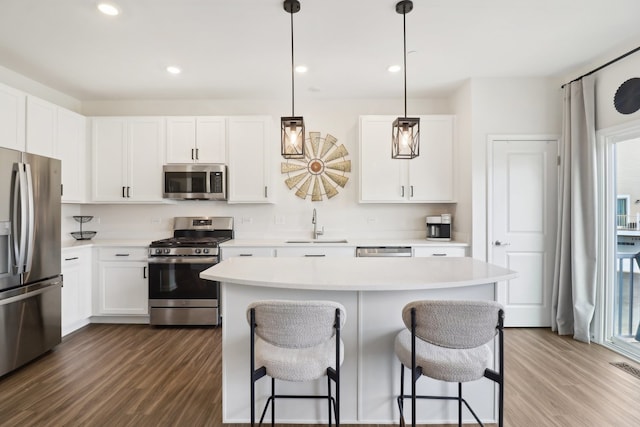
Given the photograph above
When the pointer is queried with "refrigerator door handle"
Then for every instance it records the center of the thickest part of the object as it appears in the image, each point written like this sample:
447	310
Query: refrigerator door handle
31	220
19	217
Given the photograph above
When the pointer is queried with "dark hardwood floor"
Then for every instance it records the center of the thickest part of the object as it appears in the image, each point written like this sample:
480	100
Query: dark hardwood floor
136	375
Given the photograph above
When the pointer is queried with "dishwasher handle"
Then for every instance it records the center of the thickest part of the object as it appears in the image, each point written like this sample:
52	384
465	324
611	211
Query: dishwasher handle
384	251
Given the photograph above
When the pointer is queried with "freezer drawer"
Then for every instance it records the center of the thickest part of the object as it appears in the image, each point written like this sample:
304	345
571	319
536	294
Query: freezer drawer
30	323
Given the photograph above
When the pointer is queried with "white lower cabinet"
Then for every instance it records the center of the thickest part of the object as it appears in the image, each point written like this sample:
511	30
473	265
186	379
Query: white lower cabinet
122	287
427	251
76	290
317	251
247	252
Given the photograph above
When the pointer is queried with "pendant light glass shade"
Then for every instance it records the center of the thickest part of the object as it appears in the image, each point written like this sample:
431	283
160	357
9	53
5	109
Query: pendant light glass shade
292	134
406	138
292	128
405	134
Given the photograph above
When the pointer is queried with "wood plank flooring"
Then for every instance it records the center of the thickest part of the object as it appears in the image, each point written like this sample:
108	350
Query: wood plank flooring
136	375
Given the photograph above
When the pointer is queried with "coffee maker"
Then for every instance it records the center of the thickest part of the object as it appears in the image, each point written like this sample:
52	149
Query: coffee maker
439	227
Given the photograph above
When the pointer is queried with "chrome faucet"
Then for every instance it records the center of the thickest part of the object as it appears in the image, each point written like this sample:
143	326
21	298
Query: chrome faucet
314	221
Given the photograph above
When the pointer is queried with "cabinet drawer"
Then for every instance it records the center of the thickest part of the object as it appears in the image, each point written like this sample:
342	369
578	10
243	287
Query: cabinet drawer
317	252
426	251
244	252
124	254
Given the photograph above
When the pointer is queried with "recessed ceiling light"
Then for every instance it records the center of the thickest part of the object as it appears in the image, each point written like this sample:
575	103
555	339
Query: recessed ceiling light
108	9
394	68
301	69
172	69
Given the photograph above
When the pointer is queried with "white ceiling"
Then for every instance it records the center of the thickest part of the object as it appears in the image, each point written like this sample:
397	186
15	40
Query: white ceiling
241	48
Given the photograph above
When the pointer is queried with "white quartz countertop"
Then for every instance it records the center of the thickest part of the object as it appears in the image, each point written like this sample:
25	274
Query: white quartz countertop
252	243
66	244
357	274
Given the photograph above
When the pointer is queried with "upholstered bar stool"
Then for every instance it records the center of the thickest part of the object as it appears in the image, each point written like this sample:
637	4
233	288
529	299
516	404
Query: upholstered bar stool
450	341
296	341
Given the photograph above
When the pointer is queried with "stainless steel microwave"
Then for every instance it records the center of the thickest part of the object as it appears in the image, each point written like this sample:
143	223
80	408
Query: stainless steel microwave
198	181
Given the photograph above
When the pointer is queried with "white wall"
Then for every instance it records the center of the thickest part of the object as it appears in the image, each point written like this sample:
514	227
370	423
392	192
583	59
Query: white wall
512	106
341	216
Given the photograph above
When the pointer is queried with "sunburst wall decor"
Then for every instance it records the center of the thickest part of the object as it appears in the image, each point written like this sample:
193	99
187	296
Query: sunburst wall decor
324	168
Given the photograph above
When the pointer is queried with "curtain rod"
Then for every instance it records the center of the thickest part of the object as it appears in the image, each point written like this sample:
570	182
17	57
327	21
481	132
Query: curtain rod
603	66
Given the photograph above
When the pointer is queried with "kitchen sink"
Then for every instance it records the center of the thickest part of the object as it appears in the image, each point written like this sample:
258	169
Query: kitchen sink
318	241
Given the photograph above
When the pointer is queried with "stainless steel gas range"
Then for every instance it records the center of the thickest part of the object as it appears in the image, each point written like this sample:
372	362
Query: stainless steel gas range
177	294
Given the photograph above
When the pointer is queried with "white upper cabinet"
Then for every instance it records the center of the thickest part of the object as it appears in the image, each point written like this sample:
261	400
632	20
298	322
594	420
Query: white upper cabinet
127	159
250	146
42	120
72	150
428	178
196	140
12	118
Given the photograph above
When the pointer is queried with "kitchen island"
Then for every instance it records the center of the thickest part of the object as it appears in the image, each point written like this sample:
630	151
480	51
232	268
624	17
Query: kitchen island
373	291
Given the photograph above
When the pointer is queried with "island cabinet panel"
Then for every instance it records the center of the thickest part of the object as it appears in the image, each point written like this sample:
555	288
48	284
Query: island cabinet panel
12	118
196	139
251	144
428	178
122	287
127	159
76	290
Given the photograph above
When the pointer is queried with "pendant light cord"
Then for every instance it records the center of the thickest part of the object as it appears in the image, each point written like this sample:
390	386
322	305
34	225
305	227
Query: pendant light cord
292	71
404	36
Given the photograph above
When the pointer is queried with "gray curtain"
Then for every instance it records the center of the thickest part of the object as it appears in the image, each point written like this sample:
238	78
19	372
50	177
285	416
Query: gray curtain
574	286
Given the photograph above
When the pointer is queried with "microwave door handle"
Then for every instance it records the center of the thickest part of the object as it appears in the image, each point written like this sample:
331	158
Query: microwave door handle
31	219
19	223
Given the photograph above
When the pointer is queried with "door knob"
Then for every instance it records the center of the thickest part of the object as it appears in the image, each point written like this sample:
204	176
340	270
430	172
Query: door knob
499	243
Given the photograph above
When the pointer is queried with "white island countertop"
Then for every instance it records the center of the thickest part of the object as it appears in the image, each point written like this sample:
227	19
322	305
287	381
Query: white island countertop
357	274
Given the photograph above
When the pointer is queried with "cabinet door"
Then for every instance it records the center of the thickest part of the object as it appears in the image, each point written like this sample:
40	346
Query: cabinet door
12	118
431	174
122	288
210	140
146	154
109	159
71	148
181	139
250	147
76	291
382	179
41	127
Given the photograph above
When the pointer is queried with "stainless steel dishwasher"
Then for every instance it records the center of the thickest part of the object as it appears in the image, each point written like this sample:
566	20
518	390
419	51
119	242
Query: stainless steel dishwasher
383	251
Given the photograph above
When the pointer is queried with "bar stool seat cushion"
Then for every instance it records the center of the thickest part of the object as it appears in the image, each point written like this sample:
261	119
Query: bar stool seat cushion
297	364
442	363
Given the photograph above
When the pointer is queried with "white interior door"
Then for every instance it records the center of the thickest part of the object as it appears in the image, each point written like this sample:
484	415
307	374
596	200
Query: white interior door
522	219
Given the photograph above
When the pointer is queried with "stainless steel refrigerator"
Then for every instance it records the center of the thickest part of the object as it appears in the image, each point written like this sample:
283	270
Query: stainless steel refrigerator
30	279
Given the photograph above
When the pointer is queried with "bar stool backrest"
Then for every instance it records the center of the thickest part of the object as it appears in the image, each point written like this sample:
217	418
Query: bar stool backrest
296	324
454	324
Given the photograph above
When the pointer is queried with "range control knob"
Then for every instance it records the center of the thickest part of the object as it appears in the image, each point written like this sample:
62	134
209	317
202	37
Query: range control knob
158	251
205	250
198	251
166	251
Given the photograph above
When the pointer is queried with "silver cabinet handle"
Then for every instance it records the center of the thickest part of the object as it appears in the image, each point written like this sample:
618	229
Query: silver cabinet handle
197	154
122	254
411	194
192	156
246	255
71	259
499	243
315	255
402	191
265	192
438	254
144	272
128	192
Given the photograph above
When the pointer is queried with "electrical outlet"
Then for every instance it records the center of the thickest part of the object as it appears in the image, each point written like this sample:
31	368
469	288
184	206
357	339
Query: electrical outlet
279	220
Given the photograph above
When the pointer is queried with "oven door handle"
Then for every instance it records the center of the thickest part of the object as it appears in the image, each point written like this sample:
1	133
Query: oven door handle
183	260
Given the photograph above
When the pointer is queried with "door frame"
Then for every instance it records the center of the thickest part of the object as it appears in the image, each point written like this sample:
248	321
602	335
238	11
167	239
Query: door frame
491	140
606	185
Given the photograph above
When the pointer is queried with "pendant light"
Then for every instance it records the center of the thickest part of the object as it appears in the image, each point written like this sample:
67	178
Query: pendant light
292	128
405	143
